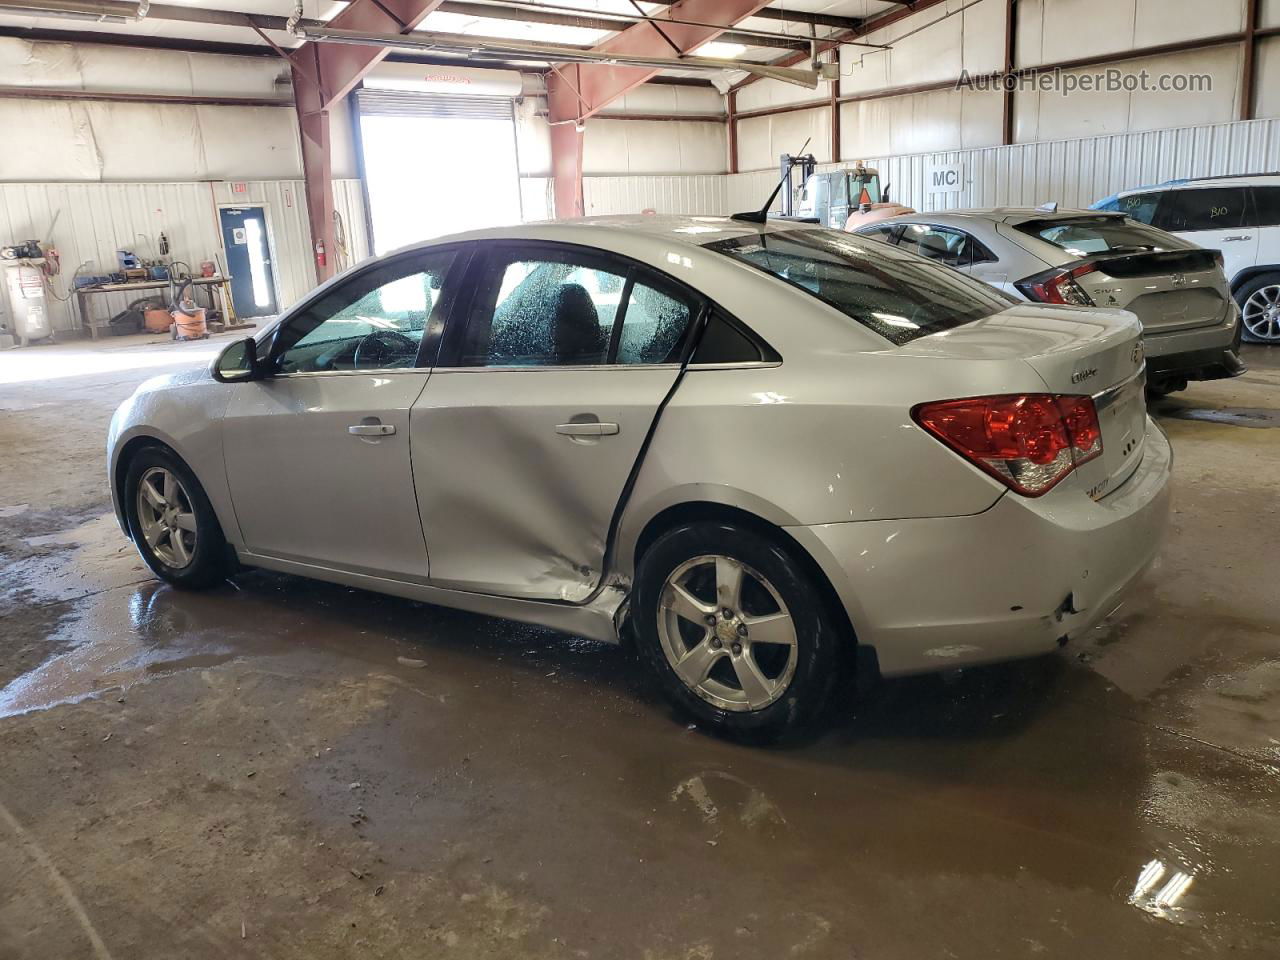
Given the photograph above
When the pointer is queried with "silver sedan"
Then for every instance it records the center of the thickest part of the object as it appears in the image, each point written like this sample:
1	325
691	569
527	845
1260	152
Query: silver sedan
759	448
1084	258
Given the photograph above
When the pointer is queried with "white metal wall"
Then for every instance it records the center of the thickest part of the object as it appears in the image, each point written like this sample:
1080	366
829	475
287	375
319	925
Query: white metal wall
96	219
673	194
1071	172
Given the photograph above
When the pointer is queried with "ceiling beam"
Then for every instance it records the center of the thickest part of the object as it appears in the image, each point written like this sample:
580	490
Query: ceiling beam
813	19
865	27
593	21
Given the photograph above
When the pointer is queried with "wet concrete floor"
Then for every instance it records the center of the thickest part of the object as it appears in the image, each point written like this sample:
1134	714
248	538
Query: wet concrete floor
281	768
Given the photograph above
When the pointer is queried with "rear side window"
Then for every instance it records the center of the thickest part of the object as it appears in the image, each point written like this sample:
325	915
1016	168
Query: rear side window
653	326
544	312
955	248
1213	208
899	296
1085	236
1266	205
885	234
724	342
1137	206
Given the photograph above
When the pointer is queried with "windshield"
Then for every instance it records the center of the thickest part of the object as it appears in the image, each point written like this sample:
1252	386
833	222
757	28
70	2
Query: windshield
898	295
1085	236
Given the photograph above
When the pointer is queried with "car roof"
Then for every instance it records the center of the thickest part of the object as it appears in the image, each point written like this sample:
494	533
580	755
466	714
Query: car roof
606	231
1226	180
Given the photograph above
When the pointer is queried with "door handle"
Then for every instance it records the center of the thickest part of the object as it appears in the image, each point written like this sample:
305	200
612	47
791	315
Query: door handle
371	429
593	428
1248	236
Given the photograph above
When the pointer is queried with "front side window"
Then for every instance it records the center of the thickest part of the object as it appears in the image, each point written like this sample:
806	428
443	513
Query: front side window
955	248
1211	208
1084	236
374	321
899	296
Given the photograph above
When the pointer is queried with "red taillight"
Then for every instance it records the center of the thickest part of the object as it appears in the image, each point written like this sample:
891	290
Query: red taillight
1029	441
1058	286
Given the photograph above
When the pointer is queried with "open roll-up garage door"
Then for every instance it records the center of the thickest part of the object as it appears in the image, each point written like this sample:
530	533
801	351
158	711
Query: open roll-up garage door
437	163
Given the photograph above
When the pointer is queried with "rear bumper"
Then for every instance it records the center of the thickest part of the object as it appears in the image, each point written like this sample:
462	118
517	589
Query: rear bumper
1014	581
1205	353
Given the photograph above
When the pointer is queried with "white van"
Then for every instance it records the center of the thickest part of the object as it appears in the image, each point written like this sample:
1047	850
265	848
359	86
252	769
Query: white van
1239	215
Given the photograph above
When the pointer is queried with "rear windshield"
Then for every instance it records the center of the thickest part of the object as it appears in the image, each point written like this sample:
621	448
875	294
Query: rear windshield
898	295
1085	236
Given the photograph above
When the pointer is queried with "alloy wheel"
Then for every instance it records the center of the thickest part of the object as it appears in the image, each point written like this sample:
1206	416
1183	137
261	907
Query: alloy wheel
166	517
727	633
1261	313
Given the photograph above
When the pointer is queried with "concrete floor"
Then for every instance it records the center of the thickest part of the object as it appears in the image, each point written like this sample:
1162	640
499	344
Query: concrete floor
281	768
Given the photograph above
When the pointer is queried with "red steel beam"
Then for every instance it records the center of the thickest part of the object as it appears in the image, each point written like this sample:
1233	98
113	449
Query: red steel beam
323	74
1249	70
578	91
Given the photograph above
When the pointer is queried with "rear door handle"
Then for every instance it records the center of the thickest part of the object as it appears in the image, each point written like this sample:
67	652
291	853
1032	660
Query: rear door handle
1247	236
371	429
591	429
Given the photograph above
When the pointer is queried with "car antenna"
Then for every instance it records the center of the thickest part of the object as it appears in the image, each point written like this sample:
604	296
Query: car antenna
762	215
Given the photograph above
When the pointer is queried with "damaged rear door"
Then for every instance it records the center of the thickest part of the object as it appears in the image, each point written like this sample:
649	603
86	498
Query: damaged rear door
527	433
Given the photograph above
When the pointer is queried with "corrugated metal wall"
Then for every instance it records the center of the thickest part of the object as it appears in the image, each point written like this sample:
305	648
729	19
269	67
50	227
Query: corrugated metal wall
673	194
96	219
1071	172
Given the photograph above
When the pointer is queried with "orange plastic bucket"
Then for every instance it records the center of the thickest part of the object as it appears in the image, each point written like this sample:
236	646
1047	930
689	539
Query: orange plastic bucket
189	327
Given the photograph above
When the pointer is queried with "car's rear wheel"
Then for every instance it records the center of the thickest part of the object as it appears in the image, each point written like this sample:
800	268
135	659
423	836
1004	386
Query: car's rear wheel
172	522
1259	301
735	630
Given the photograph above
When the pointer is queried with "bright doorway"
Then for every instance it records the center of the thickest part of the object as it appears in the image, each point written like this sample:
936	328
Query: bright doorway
429	174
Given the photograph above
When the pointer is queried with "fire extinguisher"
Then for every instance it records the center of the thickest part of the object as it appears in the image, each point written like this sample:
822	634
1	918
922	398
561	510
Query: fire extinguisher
321	259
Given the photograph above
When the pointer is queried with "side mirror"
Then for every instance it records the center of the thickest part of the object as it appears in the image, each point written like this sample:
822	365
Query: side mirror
238	362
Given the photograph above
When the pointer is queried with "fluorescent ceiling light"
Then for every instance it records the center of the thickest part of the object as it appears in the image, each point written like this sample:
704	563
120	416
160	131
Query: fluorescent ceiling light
721	49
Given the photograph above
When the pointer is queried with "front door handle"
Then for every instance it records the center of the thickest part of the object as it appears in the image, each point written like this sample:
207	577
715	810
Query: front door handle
371	429
593	428
1247	236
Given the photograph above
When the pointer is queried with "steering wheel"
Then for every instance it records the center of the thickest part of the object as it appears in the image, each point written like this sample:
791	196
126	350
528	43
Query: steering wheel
384	348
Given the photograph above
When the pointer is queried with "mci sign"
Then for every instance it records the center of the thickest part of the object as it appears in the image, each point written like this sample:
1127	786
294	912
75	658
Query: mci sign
944	178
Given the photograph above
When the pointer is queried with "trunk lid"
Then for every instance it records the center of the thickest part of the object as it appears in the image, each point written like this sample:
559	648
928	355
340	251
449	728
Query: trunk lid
1074	350
1168	290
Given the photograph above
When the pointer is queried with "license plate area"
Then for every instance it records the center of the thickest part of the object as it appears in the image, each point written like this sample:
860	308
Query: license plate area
1122	415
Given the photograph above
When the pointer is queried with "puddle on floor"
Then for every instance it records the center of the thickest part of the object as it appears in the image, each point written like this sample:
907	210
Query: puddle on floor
111	650
1259	417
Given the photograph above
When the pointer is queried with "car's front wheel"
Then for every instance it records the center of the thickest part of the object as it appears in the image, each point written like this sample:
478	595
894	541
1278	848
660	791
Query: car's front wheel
735	630
1259	301
172	522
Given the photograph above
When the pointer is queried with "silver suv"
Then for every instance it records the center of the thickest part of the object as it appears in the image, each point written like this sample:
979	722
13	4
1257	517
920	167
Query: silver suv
1239	215
1191	328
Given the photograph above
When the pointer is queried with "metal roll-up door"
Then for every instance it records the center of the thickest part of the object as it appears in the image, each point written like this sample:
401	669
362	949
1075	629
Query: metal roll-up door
398	103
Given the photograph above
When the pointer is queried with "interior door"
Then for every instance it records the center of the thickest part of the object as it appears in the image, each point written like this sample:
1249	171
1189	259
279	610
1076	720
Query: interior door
1216	218
318	452
527	433
253	279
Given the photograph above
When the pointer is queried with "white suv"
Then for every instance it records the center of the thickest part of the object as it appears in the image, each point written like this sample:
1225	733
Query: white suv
1239	215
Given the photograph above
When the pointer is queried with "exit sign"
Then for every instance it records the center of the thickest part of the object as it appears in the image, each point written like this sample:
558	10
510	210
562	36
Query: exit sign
239	188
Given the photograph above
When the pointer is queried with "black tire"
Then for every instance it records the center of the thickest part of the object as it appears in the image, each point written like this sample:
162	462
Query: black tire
210	561
817	635
1242	297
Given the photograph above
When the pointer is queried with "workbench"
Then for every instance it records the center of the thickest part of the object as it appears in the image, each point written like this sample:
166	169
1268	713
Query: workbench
83	294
